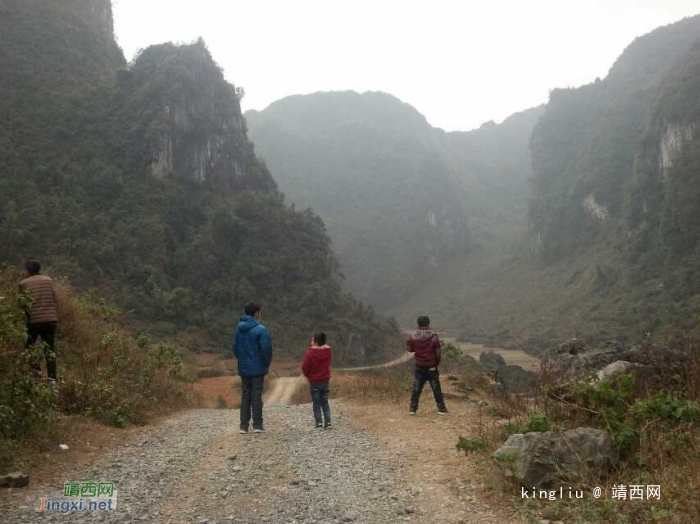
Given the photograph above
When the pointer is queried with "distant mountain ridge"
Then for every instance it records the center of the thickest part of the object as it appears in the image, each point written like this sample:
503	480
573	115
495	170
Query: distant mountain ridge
580	217
613	242
398	195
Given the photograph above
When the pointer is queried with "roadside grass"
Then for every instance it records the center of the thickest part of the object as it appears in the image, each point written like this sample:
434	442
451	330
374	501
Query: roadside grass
104	372
389	384
654	420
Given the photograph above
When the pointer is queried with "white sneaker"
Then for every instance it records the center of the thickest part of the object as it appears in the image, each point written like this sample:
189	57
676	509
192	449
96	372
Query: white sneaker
243	431
411	412
442	412
258	430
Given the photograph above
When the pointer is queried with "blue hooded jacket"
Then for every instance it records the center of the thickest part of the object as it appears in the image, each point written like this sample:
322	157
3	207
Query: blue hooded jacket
252	346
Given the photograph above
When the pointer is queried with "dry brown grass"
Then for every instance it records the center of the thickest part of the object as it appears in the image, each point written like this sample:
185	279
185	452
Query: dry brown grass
104	373
375	384
667	454
218	392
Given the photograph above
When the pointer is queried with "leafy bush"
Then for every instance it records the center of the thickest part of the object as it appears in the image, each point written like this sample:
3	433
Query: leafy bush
102	372
666	406
609	401
472	445
536	423
450	352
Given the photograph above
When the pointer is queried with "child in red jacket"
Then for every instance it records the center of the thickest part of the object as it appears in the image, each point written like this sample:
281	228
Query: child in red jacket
317	370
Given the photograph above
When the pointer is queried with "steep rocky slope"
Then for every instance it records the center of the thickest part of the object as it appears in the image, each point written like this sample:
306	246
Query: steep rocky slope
140	181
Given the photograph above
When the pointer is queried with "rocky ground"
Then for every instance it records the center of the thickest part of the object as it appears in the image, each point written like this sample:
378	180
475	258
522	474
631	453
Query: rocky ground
196	468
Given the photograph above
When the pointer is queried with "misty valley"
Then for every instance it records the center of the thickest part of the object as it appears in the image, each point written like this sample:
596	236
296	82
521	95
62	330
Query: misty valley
548	266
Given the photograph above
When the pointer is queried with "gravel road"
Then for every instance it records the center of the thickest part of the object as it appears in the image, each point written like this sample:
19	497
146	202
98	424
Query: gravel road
196	468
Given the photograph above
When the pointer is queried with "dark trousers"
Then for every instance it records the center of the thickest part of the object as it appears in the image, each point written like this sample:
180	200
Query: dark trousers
251	401
47	332
424	375
319	397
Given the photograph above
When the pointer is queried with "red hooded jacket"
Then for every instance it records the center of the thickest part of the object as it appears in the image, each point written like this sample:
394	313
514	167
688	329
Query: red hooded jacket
425	345
317	364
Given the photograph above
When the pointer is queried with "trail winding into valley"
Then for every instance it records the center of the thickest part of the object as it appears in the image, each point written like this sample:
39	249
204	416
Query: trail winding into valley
194	467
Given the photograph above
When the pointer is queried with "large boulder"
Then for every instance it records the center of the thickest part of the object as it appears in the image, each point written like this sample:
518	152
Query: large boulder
515	379
14	480
574	361
492	361
619	367
547	459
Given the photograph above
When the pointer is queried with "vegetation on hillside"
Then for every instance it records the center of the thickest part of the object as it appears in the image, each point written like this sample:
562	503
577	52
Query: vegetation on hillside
401	198
140	181
613	240
104	372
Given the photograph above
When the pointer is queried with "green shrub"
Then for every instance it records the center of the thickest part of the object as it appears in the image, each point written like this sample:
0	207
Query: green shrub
102	372
472	445
536	423
665	406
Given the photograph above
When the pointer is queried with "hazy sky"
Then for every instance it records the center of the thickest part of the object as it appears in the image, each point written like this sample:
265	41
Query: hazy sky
460	63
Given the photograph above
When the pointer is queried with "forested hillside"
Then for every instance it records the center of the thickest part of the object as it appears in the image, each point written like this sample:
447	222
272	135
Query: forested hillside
577	219
613	246
140	181
401	198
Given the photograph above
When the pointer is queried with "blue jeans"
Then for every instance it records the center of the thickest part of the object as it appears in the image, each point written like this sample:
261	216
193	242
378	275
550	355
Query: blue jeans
319	396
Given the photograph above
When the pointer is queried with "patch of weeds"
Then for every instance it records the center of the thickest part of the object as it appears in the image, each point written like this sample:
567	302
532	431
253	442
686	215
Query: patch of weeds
472	445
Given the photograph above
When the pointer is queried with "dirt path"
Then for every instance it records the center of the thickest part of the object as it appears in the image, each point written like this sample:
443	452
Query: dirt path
377	466
196	468
400	360
282	390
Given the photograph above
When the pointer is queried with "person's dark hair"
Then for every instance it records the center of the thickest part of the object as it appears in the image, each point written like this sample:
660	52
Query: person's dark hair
423	321
320	338
33	267
251	309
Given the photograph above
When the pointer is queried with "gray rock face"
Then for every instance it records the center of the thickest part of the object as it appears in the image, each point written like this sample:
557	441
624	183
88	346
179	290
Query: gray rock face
492	361
467	362
574	360
14	480
515	379
546	459
611	371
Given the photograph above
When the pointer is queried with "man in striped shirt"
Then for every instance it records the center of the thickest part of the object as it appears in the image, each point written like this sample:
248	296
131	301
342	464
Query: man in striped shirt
42	316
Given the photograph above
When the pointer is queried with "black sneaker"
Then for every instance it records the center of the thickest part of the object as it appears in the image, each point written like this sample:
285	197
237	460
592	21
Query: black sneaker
442	412
319	426
243	431
328	426
258	430
412	412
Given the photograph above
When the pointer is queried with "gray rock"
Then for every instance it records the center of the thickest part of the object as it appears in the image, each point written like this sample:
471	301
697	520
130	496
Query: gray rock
574	361
619	367
14	480
515	379
492	361
545	459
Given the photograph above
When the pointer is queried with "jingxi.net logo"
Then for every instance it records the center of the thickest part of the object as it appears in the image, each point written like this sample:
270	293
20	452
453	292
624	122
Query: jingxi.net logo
81	496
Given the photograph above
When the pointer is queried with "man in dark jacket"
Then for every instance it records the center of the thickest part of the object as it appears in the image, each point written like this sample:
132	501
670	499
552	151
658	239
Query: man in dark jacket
252	346
425	345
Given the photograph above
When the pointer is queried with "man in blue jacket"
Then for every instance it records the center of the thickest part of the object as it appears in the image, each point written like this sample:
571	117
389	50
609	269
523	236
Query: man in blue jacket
253	348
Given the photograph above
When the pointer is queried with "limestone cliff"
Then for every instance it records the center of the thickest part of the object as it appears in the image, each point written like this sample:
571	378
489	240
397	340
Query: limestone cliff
98	13
189	119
